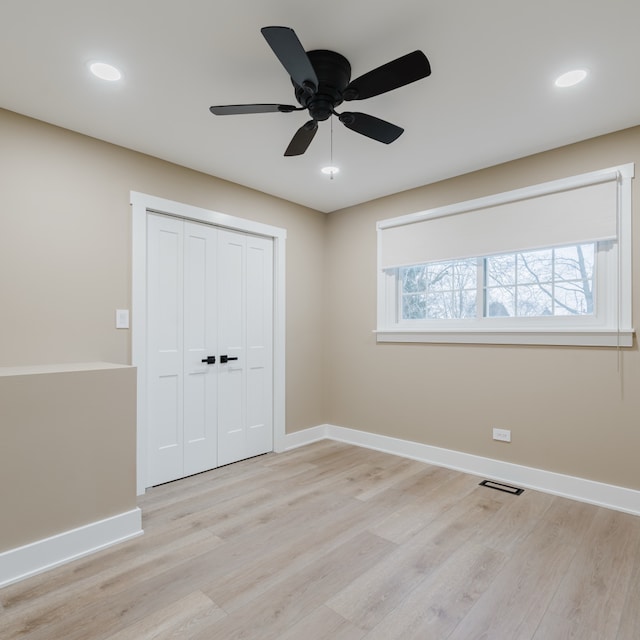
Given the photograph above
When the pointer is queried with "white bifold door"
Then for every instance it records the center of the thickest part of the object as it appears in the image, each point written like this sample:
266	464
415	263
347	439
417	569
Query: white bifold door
209	347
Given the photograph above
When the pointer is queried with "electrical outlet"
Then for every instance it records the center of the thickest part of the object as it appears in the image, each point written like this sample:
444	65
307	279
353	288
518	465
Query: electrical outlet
504	435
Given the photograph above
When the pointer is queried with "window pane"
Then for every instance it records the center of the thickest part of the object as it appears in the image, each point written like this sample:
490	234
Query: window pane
535	266
573	299
466	304
439	306
413	279
466	274
501	270
575	263
414	307
439	276
574	276
534	300
500	302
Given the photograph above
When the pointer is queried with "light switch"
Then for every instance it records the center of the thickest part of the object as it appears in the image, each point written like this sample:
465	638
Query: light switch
122	318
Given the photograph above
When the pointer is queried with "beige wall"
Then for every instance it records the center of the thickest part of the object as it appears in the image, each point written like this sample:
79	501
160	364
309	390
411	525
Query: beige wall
65	251
571	410
67	455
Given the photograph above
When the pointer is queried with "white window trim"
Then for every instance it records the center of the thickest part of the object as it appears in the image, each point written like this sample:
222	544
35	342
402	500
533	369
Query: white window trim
609	332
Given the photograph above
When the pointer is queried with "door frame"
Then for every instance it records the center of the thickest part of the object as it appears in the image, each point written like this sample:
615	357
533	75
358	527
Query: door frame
141	205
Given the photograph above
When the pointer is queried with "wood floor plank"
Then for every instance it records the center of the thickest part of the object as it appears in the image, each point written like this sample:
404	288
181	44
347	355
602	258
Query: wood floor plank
317	453
513	605
376	478
323	624
411	512
630	619
304	542
590	600
148	551
174	620
250	472
85	601
515	521
336	542
438	604
290	601
193	503
373	595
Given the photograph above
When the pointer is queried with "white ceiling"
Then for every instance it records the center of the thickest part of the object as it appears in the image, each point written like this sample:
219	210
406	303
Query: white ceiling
489	99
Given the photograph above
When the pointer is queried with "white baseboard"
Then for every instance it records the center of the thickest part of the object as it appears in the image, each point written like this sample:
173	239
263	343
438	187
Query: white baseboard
581	489
303	437
31	559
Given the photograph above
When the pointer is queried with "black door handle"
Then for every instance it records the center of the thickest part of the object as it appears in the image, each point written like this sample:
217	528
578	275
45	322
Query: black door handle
210	360
224	359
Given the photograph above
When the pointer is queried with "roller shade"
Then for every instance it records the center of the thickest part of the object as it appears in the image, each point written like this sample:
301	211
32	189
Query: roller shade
582	214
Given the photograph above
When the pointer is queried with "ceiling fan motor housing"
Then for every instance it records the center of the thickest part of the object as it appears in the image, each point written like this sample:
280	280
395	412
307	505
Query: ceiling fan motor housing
334	73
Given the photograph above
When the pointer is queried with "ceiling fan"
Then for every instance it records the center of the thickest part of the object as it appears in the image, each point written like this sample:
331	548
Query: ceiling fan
322	81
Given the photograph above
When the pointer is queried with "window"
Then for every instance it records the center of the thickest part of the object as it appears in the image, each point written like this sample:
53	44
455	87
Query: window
549	264
527	284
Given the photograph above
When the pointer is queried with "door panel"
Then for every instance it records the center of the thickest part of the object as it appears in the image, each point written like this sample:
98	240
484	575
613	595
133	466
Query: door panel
231	322
165	346
259	316
200	331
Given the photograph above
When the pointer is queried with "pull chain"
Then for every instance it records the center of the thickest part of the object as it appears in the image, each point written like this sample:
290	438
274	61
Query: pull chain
331	151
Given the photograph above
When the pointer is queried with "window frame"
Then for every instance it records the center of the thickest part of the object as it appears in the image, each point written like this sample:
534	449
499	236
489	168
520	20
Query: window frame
609	326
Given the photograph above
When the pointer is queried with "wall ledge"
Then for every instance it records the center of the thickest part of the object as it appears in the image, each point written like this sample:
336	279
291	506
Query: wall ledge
574	488
42	555
68	367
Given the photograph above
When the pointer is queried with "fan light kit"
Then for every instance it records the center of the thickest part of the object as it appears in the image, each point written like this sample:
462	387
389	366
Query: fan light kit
322	81
105	71
571	78
330	171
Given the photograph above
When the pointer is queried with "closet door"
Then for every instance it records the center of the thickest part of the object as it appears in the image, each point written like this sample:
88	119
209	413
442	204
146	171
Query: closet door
210	347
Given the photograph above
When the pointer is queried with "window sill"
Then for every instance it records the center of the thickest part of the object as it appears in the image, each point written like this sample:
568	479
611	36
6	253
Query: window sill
565	337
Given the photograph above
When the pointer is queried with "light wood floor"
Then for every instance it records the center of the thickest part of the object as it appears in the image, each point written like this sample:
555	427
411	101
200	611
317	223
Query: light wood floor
335	542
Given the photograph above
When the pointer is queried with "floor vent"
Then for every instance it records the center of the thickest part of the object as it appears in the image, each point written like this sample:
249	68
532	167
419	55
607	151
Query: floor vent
502	487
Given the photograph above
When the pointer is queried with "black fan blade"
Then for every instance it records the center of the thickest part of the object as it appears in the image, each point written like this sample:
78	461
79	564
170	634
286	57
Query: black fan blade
369	126
397	73
233	109
302	139
292	56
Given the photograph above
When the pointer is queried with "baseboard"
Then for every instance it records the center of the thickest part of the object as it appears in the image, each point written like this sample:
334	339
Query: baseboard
304	437
581	489
31	559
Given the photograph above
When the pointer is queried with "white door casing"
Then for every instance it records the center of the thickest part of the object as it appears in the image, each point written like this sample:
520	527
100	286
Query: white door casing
264	421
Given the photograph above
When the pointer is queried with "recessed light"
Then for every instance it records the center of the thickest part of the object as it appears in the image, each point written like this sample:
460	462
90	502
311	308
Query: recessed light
105	71
571	78
330	171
